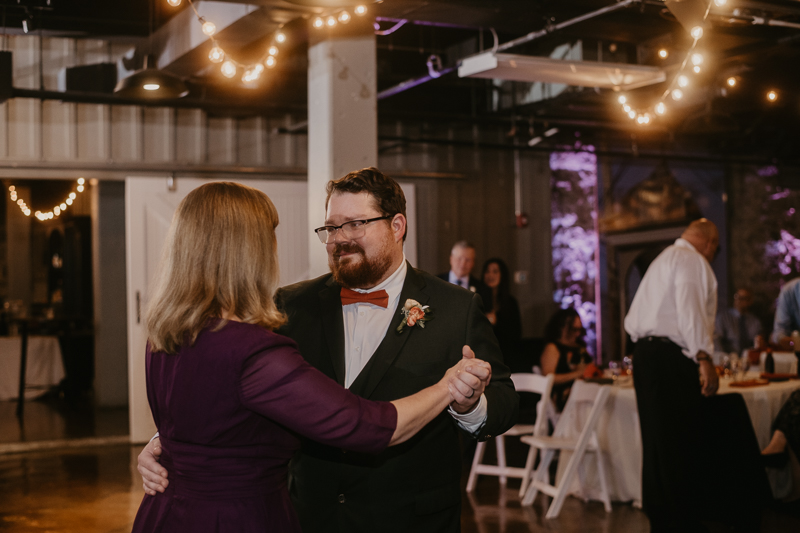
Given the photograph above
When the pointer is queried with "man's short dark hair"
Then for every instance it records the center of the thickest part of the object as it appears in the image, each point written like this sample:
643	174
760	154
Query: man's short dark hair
389	197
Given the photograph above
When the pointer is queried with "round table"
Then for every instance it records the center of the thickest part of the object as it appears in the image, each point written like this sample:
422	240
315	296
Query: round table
620	438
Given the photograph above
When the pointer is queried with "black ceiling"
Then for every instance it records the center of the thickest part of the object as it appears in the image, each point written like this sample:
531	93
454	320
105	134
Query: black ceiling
727	121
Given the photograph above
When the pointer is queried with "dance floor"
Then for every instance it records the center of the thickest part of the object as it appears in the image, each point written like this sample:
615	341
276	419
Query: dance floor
96	489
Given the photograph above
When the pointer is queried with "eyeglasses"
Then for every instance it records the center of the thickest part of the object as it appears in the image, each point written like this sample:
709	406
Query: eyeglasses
350	230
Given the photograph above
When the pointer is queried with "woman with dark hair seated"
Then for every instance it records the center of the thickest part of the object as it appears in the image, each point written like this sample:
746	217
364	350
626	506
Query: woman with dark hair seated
564	355
503	310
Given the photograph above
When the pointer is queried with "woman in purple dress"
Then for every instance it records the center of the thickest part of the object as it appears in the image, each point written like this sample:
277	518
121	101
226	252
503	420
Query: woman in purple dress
230	397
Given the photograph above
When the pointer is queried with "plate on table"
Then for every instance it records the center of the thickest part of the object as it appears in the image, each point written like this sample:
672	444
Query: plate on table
777	376
750	383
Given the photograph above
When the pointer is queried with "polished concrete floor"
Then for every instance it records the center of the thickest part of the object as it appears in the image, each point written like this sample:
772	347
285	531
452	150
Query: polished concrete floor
96	489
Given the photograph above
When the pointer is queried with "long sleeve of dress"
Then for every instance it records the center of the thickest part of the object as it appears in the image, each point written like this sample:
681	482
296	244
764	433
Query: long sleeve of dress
280	385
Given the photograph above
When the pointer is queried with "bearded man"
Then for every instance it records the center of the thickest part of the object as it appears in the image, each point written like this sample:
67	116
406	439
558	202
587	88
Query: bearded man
384	330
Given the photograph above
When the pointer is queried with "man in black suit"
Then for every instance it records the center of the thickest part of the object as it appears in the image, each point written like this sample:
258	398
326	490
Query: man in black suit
386	330
462	261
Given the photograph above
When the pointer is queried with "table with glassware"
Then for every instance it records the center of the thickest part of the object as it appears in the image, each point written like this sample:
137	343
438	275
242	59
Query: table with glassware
620	438
44	366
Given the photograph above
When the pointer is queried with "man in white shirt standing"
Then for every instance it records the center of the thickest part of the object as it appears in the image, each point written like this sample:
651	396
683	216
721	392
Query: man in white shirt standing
671	320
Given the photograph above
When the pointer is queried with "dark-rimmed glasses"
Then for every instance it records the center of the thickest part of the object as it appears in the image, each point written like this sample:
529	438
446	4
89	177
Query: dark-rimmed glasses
352	230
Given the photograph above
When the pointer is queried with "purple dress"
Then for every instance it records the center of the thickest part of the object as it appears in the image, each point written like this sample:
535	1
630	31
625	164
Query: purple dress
228	410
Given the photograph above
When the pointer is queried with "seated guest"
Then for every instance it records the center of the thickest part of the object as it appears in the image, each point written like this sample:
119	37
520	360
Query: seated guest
502	310
735	329
564	355
787	315
786	438
462	261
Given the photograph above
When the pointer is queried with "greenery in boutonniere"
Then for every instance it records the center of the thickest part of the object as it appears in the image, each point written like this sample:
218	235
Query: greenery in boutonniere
414	313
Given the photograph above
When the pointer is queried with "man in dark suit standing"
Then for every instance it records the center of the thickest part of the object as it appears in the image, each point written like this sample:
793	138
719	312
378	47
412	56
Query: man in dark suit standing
462	261
386	330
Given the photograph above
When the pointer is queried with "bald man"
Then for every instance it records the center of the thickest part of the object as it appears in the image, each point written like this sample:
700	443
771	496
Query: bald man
671	320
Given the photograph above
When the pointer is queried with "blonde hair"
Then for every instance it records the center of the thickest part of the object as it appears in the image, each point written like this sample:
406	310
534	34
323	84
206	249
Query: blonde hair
220	257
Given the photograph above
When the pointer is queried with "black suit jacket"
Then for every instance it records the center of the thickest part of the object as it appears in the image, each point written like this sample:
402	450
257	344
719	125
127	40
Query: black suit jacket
414	486
481	289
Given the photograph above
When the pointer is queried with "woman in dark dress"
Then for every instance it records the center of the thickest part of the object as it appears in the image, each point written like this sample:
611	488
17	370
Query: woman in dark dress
503	310
230	397
563	355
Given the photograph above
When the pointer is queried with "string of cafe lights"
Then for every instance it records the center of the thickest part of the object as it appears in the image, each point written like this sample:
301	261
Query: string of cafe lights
681	81
229	66
58	210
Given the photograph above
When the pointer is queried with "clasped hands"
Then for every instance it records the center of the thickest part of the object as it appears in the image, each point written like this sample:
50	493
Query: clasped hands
467	381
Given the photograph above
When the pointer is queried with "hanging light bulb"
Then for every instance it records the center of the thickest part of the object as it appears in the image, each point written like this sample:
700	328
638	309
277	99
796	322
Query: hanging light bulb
228	69
72	196
697	58
270	61
331	22
273	50
81	181
280	37
661	108
12	188
80	188
174	3
677	94
250	75
663	53
683	81
216	55
772	96
632	113
209	28
731	81
69	201
318	22
720	3
697	32
344	17
57	210
626	108
696	69
361	10
63	206
622	99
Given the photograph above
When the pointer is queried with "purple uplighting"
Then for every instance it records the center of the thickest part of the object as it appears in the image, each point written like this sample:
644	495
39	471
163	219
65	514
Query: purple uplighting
575	237
784	253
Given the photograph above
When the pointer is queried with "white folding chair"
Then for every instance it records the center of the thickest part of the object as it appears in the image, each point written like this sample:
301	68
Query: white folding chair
523	382
581	397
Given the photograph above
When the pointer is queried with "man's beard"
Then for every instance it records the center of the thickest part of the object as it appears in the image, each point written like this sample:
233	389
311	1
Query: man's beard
363	274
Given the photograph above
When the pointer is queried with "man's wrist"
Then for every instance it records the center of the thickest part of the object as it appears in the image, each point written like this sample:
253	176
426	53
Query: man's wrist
702	356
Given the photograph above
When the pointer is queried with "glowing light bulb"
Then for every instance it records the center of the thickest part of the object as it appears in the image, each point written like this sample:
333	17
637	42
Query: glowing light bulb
772	96
12	188
280	37
344	17
57	210
331	22
640	119
696	69
626	108
361	10
216	55
661	108
209	28
622	99
731	81
697	59
20	202
72	196
697	32
270	62
151	86
683	81
81	181
632	113
69	201
318	22
63	206
174	3
720	3
663	53
273	50
228	69
677	94
80	188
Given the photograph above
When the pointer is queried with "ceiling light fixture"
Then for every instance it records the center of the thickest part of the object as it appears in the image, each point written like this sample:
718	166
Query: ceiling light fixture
151	83
731	81
663	53
772	96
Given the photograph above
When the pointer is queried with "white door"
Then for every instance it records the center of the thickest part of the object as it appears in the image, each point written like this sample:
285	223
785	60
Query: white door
149	206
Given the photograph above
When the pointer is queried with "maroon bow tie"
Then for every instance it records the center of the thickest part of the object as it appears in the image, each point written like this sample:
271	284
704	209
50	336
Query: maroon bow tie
379	298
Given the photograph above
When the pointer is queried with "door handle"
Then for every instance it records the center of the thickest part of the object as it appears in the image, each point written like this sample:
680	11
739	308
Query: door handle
138	307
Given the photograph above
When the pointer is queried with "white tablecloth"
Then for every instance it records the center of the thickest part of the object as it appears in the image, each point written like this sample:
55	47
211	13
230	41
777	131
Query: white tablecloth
620	439
44	366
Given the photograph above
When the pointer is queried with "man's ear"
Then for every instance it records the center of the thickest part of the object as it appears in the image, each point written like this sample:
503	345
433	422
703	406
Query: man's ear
399	223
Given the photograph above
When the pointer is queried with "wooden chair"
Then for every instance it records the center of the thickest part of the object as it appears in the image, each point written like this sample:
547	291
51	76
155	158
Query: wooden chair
523	382
582	396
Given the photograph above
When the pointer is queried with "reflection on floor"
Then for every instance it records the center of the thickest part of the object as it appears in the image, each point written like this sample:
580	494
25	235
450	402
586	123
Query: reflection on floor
97	490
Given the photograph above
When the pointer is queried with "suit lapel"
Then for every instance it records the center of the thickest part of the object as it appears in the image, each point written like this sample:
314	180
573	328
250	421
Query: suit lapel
393	342
333	325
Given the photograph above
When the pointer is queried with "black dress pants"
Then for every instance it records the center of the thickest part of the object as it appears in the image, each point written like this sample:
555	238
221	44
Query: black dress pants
668	398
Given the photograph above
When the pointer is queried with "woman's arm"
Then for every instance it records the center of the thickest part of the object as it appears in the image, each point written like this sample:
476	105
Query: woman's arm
549	362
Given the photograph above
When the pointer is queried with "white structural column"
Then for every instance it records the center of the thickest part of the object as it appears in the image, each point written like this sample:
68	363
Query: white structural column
342	116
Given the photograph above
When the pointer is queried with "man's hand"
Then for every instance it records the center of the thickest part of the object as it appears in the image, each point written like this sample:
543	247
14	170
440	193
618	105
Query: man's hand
468	385
708	377
154	476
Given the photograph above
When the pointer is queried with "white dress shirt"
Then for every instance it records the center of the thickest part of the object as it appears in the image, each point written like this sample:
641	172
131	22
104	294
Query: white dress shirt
677	299
365	326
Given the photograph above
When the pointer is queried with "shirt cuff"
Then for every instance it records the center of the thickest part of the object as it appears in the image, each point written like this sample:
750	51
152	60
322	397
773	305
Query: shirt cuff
154	437
473	420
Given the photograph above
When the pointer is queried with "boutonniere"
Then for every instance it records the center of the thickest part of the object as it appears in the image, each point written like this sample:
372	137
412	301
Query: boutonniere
414	313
